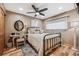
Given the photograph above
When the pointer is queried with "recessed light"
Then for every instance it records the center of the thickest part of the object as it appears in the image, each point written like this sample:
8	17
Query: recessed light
60	7
20	8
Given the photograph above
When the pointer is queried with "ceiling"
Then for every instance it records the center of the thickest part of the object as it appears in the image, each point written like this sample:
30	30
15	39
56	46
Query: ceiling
53	8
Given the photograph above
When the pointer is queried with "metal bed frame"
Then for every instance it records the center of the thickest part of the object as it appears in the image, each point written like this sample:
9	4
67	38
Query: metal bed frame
49	44
52	43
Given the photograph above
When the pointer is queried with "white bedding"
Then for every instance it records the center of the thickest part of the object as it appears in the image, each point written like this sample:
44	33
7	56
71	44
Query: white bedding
37	41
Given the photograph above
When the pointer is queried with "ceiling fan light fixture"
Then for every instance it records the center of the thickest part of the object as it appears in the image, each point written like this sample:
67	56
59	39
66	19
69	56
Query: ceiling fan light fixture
42	16
37	13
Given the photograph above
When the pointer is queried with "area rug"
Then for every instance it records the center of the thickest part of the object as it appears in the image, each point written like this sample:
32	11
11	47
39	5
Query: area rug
28	51
24	50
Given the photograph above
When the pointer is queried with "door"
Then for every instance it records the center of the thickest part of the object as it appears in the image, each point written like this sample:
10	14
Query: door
1	31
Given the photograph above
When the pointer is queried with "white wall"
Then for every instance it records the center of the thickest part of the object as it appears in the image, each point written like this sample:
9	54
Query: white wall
10	20
67	36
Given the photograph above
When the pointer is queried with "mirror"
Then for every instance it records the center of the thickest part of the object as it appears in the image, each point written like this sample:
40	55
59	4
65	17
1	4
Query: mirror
18	25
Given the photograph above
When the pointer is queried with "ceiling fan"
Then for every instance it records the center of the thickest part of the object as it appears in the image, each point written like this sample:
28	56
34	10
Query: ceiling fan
37	11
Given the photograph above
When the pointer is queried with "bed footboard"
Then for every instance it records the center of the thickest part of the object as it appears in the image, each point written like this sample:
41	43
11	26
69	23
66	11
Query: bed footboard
51	43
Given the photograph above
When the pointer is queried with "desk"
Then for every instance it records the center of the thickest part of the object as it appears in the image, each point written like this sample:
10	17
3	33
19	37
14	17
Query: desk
14	36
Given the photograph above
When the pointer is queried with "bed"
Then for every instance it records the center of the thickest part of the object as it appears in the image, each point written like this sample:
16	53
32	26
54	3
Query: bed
44	43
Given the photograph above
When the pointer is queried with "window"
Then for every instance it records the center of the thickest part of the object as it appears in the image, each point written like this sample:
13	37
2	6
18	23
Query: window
57	24
36	23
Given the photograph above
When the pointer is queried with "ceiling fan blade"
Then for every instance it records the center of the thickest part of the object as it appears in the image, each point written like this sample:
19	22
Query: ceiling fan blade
31	12
77	7
34	8
42	14
43	9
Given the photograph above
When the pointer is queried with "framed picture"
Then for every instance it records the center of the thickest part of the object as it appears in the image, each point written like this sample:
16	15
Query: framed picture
18	25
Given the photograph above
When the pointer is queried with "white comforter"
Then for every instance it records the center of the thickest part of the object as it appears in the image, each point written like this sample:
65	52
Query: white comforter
37	41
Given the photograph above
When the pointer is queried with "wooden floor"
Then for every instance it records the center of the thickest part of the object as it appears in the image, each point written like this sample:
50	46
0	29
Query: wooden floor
12	52
61	51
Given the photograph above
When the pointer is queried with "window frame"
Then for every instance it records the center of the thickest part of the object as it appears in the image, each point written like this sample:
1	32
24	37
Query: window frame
59	20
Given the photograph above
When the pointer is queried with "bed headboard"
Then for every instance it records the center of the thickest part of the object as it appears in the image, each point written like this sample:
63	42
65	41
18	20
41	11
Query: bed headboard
34	30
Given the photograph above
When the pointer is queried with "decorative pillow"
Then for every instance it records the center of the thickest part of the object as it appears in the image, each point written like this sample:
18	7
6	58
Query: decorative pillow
35	30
